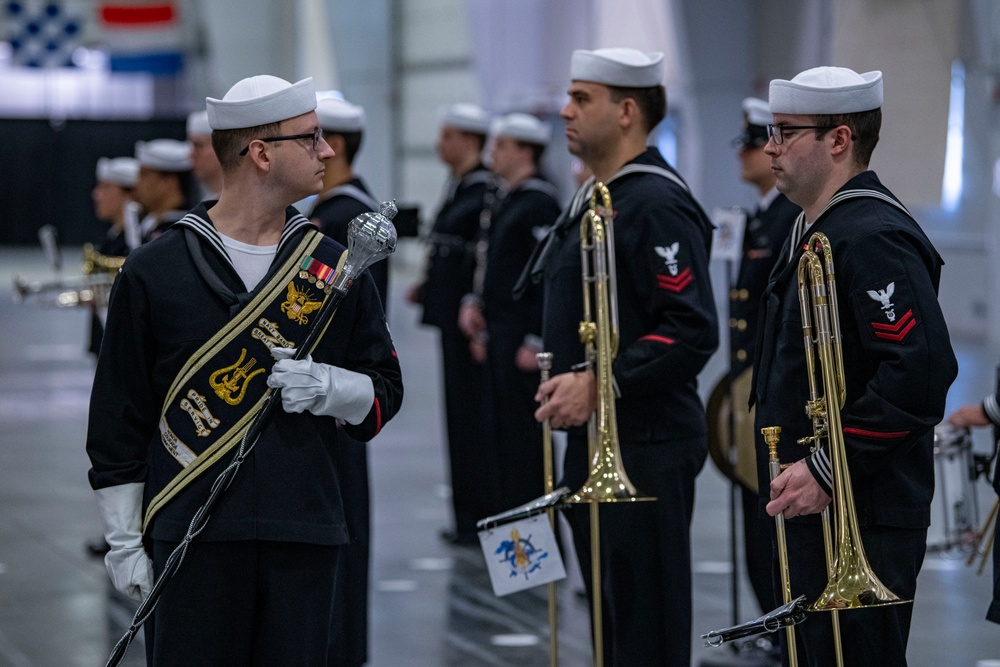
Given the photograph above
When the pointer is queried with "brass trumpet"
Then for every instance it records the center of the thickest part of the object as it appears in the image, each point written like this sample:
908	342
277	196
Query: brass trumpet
607	482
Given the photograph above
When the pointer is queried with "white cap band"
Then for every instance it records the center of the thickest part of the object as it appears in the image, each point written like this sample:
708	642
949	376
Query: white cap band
624	68
466	117
826	90
522	127
123	171
259	100
197	123
164	154
340	115
756	112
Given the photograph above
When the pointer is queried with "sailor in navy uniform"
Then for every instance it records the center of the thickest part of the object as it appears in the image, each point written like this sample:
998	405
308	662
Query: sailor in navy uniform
986	413
165	188
343	198
768	224
116	177
504	333
668	331
897	358
448	278
345	195
257	584
205	165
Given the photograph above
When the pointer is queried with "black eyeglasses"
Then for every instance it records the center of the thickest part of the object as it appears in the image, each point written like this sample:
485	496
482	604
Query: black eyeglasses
316	137
776	132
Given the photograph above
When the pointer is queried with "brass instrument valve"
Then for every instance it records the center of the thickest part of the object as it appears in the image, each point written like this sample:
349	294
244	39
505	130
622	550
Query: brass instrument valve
816	409
588	332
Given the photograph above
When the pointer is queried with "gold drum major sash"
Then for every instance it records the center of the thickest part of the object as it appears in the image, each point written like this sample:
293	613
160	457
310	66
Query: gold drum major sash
220	389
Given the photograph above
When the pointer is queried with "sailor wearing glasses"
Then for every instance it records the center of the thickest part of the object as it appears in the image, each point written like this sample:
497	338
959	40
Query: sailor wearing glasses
897	358
197	319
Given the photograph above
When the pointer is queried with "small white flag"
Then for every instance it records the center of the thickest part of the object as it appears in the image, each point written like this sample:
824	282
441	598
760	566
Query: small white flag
727	241
521	555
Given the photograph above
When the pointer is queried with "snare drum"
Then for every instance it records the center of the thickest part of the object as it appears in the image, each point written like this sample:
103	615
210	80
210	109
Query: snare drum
954	510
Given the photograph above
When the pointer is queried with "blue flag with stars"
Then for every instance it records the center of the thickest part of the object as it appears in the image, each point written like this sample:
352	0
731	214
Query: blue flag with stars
43	33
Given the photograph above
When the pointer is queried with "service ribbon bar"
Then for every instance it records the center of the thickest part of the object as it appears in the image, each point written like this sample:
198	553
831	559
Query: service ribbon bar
317	272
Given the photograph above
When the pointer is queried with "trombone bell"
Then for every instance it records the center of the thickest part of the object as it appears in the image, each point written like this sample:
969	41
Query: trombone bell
852	583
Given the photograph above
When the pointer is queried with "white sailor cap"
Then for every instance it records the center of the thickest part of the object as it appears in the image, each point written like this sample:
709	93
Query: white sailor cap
826	90
197	123
259	100
466	117
164	154
522	127
340	115
621	67
756	117
123	171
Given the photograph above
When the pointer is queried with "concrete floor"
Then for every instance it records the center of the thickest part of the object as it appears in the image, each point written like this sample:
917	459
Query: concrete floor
431	602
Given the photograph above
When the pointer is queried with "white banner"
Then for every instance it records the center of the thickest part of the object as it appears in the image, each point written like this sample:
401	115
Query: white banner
727	241
521	555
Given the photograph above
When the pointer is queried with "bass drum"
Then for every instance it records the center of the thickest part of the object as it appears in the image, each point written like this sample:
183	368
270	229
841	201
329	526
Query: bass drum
734	457
954	509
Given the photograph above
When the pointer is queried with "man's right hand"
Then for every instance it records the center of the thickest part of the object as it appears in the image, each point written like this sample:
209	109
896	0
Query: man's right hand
131	571
968	415
471	321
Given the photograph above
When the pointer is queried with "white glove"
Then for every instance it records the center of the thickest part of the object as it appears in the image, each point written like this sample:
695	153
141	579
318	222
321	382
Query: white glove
130	568
321	389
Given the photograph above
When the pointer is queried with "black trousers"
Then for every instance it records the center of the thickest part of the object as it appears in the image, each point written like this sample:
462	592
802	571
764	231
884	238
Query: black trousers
248	603
515	438
993	613
471	466
349	632
758	534
874	637
645	551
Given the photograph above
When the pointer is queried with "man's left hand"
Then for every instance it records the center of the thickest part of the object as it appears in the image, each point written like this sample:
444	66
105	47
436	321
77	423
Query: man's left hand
796	492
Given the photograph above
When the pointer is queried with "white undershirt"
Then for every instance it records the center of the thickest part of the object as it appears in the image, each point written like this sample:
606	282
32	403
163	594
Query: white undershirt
250	261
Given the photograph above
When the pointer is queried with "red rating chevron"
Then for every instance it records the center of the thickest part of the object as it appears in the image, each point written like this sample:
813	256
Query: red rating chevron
897	332
675	283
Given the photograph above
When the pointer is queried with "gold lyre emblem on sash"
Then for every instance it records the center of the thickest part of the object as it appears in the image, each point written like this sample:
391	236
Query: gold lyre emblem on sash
231	388
299	304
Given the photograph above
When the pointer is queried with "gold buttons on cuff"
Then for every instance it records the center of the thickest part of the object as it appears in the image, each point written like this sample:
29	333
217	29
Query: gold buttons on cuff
741	355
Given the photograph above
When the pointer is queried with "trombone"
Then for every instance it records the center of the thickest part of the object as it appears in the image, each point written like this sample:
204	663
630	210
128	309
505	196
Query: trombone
607	481
852	584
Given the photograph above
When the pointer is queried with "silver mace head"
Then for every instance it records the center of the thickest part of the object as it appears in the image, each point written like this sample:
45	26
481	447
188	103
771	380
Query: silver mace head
370	237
